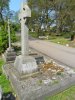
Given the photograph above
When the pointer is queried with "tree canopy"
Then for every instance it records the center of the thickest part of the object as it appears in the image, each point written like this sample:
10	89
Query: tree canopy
6	13
64	14
4	6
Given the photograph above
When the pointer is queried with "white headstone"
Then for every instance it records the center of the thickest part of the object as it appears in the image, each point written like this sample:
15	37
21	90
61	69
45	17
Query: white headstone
25	12
24	63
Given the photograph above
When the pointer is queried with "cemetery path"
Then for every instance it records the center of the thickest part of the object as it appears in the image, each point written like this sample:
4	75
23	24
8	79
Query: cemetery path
62	54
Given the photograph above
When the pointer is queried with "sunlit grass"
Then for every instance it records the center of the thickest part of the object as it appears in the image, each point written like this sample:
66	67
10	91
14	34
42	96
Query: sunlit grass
4	82
68	94
59	40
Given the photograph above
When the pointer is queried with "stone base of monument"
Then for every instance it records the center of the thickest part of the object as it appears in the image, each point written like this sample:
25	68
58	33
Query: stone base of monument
9	55
25	65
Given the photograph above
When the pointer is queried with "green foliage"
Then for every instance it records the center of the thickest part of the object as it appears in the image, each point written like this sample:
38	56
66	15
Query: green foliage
33	34
3	39
40	14
1	63
4	36
15	27
64	15
13	35
4	82
4	6
4	14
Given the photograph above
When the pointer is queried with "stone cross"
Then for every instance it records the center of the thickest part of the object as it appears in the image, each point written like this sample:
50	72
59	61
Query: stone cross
25	64
9	35
25	12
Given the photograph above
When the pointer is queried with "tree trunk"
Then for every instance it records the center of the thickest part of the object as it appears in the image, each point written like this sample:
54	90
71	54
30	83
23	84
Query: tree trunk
73	37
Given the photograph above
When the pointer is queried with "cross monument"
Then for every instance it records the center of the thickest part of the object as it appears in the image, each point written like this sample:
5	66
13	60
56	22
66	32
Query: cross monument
25	63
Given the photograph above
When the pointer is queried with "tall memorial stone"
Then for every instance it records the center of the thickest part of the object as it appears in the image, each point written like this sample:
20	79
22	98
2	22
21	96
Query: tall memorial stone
9	54
24	63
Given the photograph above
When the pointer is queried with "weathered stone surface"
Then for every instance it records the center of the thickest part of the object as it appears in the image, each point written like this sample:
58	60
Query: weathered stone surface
9	55
25	12
33	88
25	65
0	93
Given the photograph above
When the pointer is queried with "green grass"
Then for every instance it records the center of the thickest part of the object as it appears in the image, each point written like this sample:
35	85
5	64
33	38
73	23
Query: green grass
33	34
61	40
4	82
68	94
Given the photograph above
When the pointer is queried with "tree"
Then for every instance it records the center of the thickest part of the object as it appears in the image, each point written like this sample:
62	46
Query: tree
41	12
4	6
65	12
71	13
64	15
3	39
5	13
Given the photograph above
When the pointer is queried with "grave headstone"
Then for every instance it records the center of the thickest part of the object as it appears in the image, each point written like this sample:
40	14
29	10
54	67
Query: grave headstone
24	63
9	54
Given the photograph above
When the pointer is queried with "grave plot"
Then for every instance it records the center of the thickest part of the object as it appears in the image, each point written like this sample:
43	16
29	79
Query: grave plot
51	79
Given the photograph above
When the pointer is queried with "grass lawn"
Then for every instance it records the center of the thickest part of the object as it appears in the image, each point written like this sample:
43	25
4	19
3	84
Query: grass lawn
68	94
4	82
59	40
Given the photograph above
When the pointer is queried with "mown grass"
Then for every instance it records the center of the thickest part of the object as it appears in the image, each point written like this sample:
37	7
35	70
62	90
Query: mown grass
4	82
59	40
68	94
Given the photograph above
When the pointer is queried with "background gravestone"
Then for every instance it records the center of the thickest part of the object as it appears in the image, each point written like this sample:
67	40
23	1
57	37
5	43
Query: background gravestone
9	54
